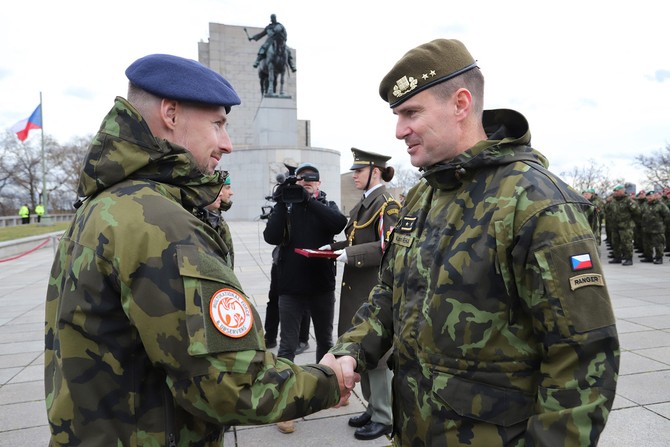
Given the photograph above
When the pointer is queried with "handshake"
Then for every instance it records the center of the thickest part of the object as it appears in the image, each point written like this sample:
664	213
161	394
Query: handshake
344	370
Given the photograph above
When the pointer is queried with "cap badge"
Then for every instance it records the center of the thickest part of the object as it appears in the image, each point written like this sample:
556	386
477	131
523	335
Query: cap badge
230	313
404	85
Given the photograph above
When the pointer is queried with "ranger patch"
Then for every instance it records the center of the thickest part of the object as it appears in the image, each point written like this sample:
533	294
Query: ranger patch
230	313
588	279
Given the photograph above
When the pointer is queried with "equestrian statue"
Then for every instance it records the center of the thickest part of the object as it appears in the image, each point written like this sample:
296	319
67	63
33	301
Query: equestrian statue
273	57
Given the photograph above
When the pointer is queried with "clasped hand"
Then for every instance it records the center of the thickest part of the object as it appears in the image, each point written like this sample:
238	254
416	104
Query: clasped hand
344	368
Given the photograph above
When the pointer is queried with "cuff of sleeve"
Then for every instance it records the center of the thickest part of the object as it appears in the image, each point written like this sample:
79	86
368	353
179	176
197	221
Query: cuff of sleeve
340	350
327	382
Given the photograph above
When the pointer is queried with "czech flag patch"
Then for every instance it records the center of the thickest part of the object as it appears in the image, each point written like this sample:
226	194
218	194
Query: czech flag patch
581	262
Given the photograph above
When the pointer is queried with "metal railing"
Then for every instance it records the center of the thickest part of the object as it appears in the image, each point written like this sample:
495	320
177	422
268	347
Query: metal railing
17	248
11	221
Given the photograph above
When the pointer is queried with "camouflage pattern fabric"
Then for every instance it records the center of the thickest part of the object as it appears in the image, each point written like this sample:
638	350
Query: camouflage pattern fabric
215	220
597	217
655	217
638	234
666	201
227	236
622	213
132	356
499	337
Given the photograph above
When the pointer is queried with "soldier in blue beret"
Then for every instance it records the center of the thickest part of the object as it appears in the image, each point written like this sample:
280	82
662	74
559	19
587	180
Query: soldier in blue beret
150	338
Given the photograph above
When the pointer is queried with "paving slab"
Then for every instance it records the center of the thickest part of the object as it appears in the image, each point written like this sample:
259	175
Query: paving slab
640	298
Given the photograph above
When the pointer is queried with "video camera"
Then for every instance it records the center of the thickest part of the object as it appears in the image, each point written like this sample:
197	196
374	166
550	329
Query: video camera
288	191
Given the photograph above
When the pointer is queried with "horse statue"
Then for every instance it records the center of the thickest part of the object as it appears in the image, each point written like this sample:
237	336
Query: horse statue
272	68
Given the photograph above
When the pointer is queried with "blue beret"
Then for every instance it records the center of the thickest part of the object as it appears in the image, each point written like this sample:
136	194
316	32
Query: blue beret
182	79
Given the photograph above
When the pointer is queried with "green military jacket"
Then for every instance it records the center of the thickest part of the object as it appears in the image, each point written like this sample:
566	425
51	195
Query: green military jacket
370	223
622	212
215	220
150	339
493	299
655	217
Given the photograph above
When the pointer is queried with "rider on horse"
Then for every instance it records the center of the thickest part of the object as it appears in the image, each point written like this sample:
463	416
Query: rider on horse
274	31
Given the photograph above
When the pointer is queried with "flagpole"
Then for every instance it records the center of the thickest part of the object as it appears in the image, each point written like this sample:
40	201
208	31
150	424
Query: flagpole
45	199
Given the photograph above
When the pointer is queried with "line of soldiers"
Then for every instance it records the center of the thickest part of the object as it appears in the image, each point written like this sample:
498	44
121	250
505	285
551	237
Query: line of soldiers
633	223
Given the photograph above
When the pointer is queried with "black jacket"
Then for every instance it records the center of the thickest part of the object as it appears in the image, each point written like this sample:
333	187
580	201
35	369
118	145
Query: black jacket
309	224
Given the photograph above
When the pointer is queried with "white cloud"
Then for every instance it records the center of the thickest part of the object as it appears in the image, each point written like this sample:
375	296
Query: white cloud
589	76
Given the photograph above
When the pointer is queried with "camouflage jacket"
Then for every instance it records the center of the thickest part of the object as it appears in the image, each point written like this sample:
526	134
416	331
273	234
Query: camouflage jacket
215	220
138	303
622	212
492	297
655	217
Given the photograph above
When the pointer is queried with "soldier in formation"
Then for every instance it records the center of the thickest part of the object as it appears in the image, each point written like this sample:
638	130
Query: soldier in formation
655	217
595	214
621	214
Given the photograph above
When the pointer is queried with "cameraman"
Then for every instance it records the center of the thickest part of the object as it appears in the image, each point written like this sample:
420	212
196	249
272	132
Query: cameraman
304	283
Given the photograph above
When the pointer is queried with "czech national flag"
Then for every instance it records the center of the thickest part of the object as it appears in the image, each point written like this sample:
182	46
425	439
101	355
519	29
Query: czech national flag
581	262
26	125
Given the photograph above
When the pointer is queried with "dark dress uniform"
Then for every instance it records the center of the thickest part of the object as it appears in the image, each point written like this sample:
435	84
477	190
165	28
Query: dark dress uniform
370	223
372	216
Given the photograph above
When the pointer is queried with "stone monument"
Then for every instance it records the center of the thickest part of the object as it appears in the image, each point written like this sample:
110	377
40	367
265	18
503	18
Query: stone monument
265	129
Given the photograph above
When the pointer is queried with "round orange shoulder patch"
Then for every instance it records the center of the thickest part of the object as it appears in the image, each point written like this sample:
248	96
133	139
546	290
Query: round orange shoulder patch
231	313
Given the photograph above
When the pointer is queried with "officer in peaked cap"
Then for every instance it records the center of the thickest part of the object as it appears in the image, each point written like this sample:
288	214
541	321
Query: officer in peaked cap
365	158
371	221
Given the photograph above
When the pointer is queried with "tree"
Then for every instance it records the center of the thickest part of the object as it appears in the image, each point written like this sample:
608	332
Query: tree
21	171
67	162
405	178
591	176
657	166
21	164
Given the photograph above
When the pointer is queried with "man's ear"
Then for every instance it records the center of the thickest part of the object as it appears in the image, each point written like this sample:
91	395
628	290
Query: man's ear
169	113
462	102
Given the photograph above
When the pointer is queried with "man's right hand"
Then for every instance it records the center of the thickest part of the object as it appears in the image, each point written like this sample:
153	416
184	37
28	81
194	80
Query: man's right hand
344	370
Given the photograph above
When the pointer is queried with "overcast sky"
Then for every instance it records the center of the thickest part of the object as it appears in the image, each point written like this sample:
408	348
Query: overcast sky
593	79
